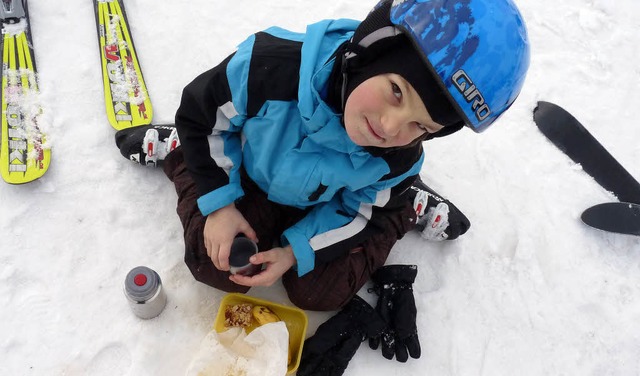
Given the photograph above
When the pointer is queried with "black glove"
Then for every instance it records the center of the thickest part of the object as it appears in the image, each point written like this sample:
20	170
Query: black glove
397	307
329	350
438	218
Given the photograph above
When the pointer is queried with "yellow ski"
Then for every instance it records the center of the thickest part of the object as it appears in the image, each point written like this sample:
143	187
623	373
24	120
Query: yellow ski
125	93
24	154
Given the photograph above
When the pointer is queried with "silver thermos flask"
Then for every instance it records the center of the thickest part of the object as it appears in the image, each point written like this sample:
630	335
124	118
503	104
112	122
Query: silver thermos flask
144	291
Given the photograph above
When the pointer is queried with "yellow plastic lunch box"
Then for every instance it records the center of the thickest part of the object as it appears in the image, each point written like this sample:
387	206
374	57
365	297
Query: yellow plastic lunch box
294	318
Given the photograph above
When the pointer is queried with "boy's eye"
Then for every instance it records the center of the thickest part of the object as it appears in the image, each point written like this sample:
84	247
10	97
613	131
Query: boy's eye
396	90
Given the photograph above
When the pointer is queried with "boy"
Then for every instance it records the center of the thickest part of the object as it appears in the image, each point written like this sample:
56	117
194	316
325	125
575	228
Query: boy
308	143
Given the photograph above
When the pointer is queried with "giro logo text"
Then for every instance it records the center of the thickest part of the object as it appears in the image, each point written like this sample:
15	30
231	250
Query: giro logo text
471	94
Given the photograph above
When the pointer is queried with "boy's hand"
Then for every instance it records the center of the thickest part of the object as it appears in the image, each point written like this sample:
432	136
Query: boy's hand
220	229
277	261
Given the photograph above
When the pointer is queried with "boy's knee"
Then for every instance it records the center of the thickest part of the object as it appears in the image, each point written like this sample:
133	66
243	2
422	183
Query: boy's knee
326	290
332	285
317	302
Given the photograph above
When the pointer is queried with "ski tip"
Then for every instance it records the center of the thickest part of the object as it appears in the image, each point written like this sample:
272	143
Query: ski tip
16	171
20	166
616	217
15	178
542	114
546	113
544	105
551	119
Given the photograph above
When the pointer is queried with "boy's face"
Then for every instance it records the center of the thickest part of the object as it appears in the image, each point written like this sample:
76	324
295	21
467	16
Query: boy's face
385	111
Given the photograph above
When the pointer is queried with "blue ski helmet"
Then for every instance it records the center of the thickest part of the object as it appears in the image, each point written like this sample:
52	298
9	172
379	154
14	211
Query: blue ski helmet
478	50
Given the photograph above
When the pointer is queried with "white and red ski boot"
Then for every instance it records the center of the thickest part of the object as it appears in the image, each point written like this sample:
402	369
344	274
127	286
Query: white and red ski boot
437	217
149	144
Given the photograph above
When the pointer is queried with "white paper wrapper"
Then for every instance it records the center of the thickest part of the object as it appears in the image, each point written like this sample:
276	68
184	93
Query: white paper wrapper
263	352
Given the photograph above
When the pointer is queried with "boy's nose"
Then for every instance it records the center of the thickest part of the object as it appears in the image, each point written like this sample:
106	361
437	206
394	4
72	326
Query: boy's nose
392	125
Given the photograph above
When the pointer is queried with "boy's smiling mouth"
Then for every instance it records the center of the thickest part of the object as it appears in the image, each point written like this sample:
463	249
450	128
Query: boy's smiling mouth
372	130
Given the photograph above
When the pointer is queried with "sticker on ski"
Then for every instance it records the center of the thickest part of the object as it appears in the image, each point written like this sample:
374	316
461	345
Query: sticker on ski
126	97
24	153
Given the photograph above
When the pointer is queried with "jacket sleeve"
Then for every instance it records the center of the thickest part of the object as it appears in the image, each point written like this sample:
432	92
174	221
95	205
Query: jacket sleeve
216	105
333	228
210	141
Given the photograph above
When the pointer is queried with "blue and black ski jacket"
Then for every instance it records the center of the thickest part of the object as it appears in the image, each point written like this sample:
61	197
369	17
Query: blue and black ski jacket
264	108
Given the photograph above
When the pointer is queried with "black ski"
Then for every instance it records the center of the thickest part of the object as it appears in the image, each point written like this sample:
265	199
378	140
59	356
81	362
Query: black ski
564	131
619	217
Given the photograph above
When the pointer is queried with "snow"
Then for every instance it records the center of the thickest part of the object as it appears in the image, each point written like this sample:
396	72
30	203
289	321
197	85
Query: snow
528	290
